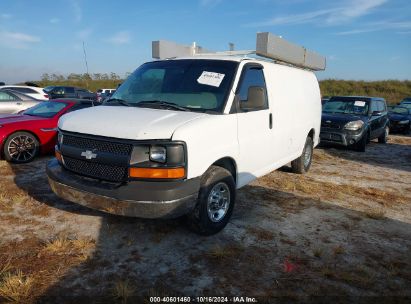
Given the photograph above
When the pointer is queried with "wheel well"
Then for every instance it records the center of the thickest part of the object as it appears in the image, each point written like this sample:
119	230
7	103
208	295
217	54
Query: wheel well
311	134
229	164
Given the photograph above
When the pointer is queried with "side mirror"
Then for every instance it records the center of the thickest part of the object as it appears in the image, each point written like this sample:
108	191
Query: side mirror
376	113
255	99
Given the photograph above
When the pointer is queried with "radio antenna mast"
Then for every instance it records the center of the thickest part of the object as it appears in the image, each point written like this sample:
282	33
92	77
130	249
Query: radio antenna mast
85	60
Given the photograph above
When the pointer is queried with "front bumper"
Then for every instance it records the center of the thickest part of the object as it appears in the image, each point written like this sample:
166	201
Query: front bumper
144	199
341	137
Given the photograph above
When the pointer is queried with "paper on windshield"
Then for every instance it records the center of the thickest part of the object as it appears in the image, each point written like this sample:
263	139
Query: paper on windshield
359	103
211	78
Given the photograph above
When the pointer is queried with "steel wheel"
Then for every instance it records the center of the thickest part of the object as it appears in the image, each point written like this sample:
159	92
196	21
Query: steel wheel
307	156
218	202
21	147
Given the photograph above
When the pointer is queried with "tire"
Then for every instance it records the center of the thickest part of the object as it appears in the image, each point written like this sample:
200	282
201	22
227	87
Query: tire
384	137
21	147
302	164
407	130
362	143
207	218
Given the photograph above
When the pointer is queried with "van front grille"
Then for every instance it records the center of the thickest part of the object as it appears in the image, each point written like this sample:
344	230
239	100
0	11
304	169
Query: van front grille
96	170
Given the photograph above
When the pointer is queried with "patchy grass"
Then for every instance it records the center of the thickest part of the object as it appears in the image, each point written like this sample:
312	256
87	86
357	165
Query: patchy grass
339	250
65	246
219	253
16	287
123	291
261	234
318	252
375	214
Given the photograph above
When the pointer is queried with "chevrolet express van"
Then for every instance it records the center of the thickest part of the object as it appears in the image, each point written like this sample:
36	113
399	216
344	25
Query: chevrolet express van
180	136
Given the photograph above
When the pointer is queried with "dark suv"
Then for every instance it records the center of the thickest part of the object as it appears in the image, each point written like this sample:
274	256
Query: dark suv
354	121
71	92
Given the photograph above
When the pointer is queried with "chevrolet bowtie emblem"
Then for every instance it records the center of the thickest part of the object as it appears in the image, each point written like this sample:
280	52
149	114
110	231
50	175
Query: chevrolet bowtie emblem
88	154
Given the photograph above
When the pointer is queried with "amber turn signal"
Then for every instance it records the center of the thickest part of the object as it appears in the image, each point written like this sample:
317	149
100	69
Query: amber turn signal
58	156
157	173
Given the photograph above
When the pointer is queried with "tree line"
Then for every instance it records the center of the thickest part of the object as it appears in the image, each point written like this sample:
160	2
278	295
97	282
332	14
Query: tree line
82	77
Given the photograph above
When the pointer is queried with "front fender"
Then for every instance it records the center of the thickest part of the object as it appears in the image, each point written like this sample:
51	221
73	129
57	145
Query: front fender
208	139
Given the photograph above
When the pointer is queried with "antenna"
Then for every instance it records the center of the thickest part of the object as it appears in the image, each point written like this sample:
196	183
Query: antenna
85	57
85	60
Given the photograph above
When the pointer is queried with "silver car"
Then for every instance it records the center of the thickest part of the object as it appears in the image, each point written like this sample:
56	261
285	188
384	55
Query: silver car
12	102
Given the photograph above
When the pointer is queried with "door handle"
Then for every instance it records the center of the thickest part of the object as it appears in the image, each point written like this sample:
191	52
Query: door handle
19	103
270	120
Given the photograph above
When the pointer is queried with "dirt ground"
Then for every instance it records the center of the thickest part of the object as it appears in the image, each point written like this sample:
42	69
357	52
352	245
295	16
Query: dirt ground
340	233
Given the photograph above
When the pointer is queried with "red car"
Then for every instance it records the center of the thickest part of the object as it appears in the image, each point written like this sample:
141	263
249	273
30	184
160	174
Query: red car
32	132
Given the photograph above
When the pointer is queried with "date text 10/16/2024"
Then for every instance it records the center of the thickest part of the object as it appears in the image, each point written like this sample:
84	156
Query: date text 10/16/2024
203	300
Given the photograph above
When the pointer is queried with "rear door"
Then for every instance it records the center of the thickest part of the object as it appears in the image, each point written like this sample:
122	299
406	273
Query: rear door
70	92
9	103
375	120
254	128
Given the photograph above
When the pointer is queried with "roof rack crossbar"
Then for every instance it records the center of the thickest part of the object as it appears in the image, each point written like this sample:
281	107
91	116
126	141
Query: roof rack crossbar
268	47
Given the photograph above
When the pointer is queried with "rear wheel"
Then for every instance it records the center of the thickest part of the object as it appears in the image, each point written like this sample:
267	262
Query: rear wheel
215	202
21	147
384	136
302	164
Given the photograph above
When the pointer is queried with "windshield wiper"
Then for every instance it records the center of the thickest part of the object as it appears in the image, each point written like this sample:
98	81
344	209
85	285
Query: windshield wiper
118	100
162	104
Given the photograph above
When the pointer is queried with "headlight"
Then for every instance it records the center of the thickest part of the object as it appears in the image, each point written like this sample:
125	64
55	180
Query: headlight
354	125
158	154
404	122
158	161
60	138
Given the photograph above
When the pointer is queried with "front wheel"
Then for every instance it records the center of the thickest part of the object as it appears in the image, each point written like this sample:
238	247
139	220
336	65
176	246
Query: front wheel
302	164
362	143
384	136
215	202
21	147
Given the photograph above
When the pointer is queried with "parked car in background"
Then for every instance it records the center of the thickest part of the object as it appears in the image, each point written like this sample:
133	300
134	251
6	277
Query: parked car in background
14	102
71	92
103	94
48	89
324	99
406	100
34	92
34	131
400	119
354	121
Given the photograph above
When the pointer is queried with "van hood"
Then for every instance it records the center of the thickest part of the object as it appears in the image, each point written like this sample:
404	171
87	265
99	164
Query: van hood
126	122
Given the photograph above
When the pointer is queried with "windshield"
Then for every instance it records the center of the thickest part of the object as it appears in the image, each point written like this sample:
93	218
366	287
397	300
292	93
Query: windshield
193	84
45	109
399	110
346	106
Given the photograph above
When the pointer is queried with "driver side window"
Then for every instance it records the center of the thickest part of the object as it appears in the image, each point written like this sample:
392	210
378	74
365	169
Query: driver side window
374	106
252	77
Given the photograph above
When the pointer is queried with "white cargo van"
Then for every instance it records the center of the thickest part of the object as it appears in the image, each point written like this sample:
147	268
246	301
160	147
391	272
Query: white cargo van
181	135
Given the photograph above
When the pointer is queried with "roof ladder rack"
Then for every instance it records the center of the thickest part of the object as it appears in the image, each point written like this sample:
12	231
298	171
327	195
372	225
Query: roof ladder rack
268	46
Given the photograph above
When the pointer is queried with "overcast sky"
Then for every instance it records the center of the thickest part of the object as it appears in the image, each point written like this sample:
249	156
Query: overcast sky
362	39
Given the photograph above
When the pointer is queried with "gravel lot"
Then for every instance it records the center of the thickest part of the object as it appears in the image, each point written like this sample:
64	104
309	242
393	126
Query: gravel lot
341	232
